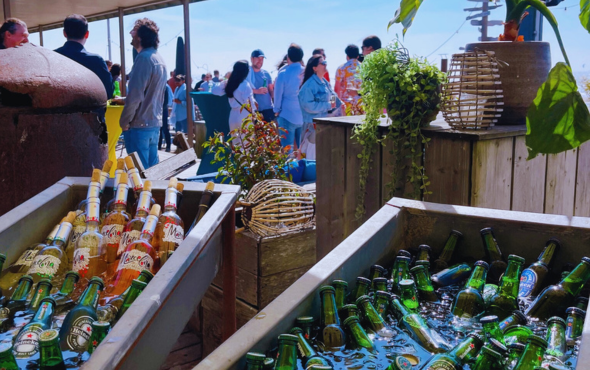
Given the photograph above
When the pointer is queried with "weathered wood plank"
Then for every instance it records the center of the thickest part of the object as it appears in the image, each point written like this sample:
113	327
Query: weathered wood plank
272	286
188	355
582	205
181	142
247	251
287	252
491	176
528	185
246	286
561	183
447	166
186	339
171	165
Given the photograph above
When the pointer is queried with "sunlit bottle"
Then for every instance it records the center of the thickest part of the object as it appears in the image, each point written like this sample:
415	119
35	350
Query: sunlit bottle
341	288
204	204
110	311
133	228
18	302
308	354
533	277
100	329
452	275
358	334
361	289
488	359
533	353
287	353
574	324
400	272
424	284
423	253
505	301
516	318
517	334
459	356
469	301
556	343
493	255
26	342
380	283
51	357
170	229
380	302
409	294
444	259
114	224
306	324
63	298
109	205
42	290
7	360
370	314
255	361
376	271
515	351
89	256
332	333
491	328
136	288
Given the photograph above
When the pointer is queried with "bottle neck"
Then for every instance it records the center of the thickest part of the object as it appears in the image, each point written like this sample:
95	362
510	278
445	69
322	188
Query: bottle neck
93	190
171	200
104	177
510	280
117	181
62	236
422	280
143	204
68	286
477	279
51	356
449	248
90	296
511	320
147	232
44	313
136	180
466	350
93	214
574	282
121	197
52	235
329	309
399	308
307	350
492	249
22	290
548	253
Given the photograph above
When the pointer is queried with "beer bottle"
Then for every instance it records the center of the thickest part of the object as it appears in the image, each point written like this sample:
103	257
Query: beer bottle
287	355
110	204
424	285
63	298
77	325
308	354
100	329
380	283
497	346
417	328
489	290
17	302
469	301
556	298
556	344
517	334
517	318
109	311
533	277
426	265
400	363
575	325
445	257
491	329
460	355
332	334
400	272
493	255
452	275
370	314
515	351
380	302
170	228
41	291
362	288
136	288
89	255
409	294
133	228
488	359
533	353
377	272
348	310
404	253
423	253
505	301
306	324
26	342
204	204
114	224
341	288
581	303
7	360
255	361
51	356
358	334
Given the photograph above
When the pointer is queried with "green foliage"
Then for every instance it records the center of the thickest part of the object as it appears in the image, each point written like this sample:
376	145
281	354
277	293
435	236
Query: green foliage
408	89
585	14
560	116
406	13
258	157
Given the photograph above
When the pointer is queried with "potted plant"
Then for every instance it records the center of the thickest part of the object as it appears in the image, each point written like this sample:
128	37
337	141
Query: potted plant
556	116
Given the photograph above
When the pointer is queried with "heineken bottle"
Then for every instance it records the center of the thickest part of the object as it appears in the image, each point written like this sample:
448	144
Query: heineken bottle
100	329
17	302
446	255
255	361
377	272
341	288
409	294
505	301
517	334
306	324
515	351
308	354
424	285
532	278
349	310
469	301
358	334
488	359
556	298
287	355
460	355
452	275
77	325
400	272
517	318
423	253
370	314
581	303
362	288
491	329
109	311
63	298
7	360
380	302
400	363
426	265
533	353
556	344
575	324
136	288
51	356
417	328
26	342
380	283
493	255
41	291
332	334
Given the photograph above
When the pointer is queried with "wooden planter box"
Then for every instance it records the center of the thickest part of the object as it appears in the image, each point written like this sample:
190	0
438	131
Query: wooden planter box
401	224
147	332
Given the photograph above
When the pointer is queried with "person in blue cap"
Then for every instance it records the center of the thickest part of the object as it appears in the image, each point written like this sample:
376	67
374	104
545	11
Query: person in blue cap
261	83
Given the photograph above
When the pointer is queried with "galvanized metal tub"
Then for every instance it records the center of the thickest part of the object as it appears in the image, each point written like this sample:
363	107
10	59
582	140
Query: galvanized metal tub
146	333
401	224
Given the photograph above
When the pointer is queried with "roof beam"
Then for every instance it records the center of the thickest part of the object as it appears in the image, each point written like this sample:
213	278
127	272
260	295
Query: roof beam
6	8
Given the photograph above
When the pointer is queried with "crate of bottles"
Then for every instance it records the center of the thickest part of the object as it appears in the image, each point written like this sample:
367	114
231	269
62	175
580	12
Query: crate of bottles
431	287
140	261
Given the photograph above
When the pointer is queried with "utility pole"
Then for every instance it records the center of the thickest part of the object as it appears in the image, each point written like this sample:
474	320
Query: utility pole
481	18
109	38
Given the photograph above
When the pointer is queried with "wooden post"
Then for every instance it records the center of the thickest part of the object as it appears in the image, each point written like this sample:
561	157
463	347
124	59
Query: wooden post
123	84
187	66
229	274
6	7
484	22
40	35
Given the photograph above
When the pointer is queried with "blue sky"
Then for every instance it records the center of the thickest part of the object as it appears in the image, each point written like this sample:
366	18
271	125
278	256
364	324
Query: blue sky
224	31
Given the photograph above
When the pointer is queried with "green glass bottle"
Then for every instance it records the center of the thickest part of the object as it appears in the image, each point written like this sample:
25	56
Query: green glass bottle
493	255
515	351
445	257
423	253
369	313
380	283
306	324
533	277
136	288
489	290
341	288
17	302
469	301
7	360
377	271
332	333
362	288
517	334
423	284
581	303
426	265
399	363
109	311
77	326
556	298
381	302
63	297
505	301
533	353
269	363
41	291
255	361
306	351
400	272
417	328
452	275
488	359
51	357
556	344
497	346
574	325
26	342
409	294
358	334
491	329
460	355
320	367
287	355
349	310
517	318
100	329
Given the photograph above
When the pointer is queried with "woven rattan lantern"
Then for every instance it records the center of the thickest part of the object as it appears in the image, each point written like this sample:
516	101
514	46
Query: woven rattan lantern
274	207
472	97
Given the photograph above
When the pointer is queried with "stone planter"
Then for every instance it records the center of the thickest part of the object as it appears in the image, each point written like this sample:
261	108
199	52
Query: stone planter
529	64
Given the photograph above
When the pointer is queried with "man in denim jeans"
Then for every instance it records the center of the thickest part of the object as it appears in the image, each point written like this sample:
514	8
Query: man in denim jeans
141	118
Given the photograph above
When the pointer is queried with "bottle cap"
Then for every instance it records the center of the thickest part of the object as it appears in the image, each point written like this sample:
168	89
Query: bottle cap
327	288
456	232
155	211
48	300
515	258
269	363
488	319
25	277
349	307
582	300
586	260
554	241
339	283
121	164
147	185
101	325
418	268
424	246
576	312
255	357
379	280
521	317
406	283
70	217
498	346
45	282
147	274
382	294
537	340
95	175
490	352
362	299
483	264
98	281
404	253
106	167
305	320
393	296
424	263
124	179
519	347
138	284
129	163
48	337
486	230
288	338
402	363
296	331
381	269
73	274
180	187
556	320
173	182
2	257
403	259
476	338
350	320
363	281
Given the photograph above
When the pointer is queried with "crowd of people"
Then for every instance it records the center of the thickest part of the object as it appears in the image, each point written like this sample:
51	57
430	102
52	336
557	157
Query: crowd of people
300	92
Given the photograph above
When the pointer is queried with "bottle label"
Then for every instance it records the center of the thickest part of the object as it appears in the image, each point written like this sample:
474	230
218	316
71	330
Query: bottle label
135	260
135	179
26	258
44	265
121	196
76	232
173	233
81	259
442	364
64	232
171	197
27	343
112	234
80	333
92	210
127	238
528	280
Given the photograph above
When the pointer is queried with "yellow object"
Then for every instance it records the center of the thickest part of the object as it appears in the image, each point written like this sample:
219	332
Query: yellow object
112	117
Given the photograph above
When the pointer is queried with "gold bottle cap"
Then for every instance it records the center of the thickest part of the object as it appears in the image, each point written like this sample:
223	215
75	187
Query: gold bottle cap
155	211
95	175
108	164
173	182
70	217
129	162
124	178
147	185
180	187
120	164
210	186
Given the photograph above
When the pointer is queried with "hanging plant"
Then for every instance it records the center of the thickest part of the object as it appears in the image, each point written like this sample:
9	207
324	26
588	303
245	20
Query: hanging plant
408	90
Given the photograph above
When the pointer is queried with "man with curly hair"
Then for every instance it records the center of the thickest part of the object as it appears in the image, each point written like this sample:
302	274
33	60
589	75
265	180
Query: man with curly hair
141	118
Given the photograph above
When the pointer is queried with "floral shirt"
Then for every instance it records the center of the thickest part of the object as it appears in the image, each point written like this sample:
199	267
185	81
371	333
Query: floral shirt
349	81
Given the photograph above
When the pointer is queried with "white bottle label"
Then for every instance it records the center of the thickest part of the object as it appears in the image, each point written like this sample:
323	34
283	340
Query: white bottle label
135	260
127	238
27	342
81	259
78	230
173	233
44	265
112	234
80	333
26	258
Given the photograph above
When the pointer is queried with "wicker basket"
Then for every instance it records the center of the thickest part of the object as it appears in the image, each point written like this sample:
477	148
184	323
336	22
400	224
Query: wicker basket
472	96
275	207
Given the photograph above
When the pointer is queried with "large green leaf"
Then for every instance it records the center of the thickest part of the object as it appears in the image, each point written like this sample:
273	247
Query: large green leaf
558	119
585	14
405	14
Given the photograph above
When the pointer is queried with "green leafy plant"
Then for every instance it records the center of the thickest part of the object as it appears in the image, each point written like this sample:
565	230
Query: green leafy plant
258	155
556	111
408	89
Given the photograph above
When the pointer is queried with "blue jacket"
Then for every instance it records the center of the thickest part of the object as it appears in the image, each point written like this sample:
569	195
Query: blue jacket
314	98
286	90
179	110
